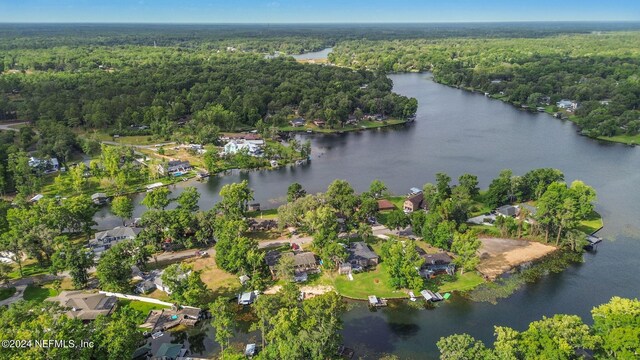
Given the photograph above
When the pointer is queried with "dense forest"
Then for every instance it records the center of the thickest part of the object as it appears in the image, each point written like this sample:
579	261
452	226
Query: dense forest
600	71
173	93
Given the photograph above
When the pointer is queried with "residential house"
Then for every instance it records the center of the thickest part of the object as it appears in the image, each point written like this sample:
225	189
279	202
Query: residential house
168	351
414	202
103	240
99	198
85	306
235	146
160	285
436	263
531	210
247	298
303	262
568	105
319	122
45	165
298	122
360	255
384	204
507	210
174	167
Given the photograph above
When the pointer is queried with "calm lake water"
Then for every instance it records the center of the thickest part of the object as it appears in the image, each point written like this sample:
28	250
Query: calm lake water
458	132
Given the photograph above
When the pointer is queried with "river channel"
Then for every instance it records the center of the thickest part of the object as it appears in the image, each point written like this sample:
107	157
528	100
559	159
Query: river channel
458	132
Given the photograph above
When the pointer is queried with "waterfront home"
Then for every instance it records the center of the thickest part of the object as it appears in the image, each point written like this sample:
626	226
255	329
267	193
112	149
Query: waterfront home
568	105
103	240
165	319
174	167
385	204
507	210
297	122
319	123
85	306
303	263
168	351
436	263
532	210
360	255
414	202
99	198
235	146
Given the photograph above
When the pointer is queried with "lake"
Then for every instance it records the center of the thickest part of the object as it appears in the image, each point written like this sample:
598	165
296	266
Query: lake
458	132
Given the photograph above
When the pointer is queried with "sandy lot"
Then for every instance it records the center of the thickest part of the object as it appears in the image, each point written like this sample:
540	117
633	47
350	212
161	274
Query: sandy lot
498	256
309	291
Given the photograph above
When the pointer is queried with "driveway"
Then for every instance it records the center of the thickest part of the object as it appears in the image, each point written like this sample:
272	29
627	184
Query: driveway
16	297
9	127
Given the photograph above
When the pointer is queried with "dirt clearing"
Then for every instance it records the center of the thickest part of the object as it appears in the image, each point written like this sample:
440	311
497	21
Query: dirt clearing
498	256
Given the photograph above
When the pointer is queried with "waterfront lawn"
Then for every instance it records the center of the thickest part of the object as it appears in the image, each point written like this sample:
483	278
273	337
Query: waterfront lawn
38	293
625	139
362	125
464	282
591	224
264	214
7	293
375	282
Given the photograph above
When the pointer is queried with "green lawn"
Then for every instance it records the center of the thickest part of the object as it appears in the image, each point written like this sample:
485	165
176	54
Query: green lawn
7	293
591	224
37	293
375	282
264	214
142	307
625	139
464	282
28	270
362	125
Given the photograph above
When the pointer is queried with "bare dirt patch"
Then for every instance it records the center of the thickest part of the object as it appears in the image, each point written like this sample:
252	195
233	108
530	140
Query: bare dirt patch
498	256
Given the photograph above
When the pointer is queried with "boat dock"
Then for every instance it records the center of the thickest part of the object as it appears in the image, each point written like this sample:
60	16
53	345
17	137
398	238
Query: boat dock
431	296
374	301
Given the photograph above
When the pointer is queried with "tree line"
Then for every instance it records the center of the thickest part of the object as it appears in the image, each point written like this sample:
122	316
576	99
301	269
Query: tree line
597	70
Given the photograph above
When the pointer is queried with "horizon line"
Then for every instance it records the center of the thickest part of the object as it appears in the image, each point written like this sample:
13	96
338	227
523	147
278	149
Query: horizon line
309	23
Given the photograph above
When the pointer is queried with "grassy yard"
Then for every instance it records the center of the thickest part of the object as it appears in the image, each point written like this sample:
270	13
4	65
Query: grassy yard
28	269
591	224
625	139
216	279
375	282
7	293
38	293
264	214
464	282
142	307
362	125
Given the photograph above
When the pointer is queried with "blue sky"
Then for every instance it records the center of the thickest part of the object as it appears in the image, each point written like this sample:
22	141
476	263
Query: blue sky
305	11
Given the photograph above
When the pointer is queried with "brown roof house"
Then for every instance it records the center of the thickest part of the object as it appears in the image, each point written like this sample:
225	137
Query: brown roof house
384	204
303	262
414	202
85	306
361	255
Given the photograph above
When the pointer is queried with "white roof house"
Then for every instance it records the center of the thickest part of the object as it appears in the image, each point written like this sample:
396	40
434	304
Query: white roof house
235	146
